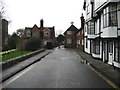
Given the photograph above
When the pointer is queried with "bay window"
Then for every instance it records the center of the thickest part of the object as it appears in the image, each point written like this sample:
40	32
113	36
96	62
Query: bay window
110	15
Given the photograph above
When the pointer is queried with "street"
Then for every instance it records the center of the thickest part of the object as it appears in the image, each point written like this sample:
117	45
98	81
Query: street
60	69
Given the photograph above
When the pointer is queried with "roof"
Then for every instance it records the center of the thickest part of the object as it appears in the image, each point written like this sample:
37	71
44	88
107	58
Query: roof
71	28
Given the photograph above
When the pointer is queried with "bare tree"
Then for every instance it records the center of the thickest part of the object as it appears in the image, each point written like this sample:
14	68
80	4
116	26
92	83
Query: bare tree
2	8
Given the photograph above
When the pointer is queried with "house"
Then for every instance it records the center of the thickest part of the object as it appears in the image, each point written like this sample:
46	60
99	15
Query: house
70	36
80	35
102	30
46	34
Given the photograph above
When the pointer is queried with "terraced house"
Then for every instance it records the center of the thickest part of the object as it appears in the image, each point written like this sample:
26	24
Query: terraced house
102	30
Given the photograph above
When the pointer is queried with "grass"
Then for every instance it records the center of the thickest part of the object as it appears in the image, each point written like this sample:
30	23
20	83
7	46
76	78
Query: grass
14	54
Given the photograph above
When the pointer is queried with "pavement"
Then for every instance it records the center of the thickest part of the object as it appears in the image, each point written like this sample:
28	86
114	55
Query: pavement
7	73
105	69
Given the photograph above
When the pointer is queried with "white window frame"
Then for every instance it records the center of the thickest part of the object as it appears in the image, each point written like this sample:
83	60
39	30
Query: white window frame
69	32
46	33
69	41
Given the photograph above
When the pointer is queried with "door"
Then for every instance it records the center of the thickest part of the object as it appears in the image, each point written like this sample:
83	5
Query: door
110	52
105	52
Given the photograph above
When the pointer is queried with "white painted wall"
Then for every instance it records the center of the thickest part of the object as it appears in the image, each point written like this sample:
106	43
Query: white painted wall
88	16
98	3
109	32
116	64
101	20
91	36
118	32
87	50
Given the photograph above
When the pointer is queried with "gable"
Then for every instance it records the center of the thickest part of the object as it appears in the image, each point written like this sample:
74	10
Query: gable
71	28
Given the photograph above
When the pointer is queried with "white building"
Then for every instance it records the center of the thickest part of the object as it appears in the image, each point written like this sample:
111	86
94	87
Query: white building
102	30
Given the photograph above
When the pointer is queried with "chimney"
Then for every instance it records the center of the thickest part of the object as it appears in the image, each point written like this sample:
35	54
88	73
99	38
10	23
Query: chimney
41	23
82	21
72	23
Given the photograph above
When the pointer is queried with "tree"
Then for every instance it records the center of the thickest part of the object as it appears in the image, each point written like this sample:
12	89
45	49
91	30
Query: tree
60	39
12	41
2	9
20	32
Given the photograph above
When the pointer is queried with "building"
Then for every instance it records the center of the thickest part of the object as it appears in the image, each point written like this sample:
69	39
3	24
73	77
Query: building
46	34
102	30
70	36
80	35
4	33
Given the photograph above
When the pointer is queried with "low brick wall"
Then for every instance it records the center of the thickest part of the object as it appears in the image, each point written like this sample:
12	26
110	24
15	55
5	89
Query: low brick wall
16	60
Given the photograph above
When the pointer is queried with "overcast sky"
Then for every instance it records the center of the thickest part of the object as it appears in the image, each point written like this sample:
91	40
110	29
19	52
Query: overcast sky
58	13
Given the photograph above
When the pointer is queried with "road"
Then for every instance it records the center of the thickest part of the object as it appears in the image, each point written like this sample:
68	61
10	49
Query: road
60	69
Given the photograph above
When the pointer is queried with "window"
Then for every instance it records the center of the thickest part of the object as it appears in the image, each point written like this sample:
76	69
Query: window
86	42
116	51
113	15
110	15
46	33
82	42
87	9
78	41
90	27
69	41
96	47
110	45
118	6
119	51
28	33
105	17
69	32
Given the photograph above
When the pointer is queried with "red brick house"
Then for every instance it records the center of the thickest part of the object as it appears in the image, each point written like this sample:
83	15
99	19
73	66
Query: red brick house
80	35
47	34
79	39
70	36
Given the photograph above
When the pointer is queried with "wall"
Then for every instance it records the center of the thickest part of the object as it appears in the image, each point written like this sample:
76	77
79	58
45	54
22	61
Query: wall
87	50
109	32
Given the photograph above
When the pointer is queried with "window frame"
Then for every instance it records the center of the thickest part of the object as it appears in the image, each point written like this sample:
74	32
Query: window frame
96	45
69	32
108	15
69	41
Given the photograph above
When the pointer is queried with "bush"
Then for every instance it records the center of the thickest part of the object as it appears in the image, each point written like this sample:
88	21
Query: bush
33	44
12	42
49	45
5	48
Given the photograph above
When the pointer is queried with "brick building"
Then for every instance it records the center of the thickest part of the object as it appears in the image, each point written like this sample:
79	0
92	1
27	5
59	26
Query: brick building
80	35
46	34
70	36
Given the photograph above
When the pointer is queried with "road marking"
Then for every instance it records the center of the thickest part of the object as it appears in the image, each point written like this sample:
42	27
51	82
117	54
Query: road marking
13	78
104	78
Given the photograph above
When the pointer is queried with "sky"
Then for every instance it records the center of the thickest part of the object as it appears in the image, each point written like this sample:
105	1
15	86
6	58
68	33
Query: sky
58	13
